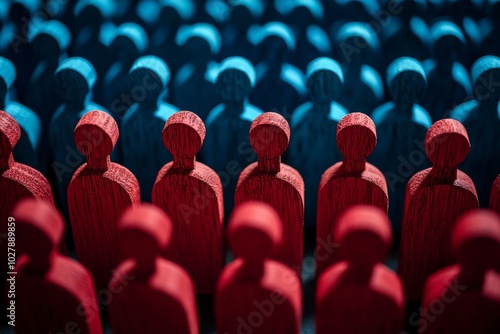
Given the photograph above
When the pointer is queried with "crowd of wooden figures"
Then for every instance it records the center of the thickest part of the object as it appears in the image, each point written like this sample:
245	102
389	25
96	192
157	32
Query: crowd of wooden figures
357	120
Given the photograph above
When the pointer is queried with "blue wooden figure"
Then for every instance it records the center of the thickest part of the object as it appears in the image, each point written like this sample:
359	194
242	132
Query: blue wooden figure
313	146
90	16
481	118
244	14
443	70
171	15
194	86
26	150
489	42
402	125
363	88
50	43
407	34
226	148
141	142
311	40
129	42
20	52
274	73
74	80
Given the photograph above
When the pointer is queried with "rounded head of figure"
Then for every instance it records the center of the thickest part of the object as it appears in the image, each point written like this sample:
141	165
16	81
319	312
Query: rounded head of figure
236	79
201	40
406	80
50	39
476	241
275	41
254	223
74	79
40	228
269	135
485	75
364	234
151	75
356	136
324	79
129	42
10	133
359	37
93	12
21	11
447	143
7	77
144	233
448	39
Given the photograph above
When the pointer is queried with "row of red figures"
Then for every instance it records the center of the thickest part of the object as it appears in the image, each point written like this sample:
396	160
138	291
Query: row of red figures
191	194
254	293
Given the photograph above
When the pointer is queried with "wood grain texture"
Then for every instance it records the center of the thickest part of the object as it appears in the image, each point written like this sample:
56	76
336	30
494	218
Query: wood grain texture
98	193
191	193
153	295
276	184
141	147
360	294
254	293
17	181
53	293
313	147
495	195
349	182
435	198
467	294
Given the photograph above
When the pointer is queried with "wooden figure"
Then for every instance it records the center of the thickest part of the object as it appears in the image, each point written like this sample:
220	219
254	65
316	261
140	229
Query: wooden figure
272	182
465	297
495	195
197	77
53	293
402	125
360	294
482	121
276	43
349	182
26	151
311	40
99	192
313	124
254	293
50	41
444	70
363	88
142	148
129	42
90	17
226	151
74	80
191	193
435	198
488	42
159	295
17	181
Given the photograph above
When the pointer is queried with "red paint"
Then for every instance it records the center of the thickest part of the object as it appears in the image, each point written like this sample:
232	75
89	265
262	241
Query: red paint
435	198
350	182
191	193
151	294
495	195
254	293
465	298
276	184
360	294
98	193
54	293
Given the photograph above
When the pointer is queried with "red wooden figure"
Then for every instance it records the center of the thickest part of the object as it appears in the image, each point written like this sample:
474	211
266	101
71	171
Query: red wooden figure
254	293
99	192
360	294
191	193
276	184
53	293
17	181
349	182
495	195
435	198
153	295
465	298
